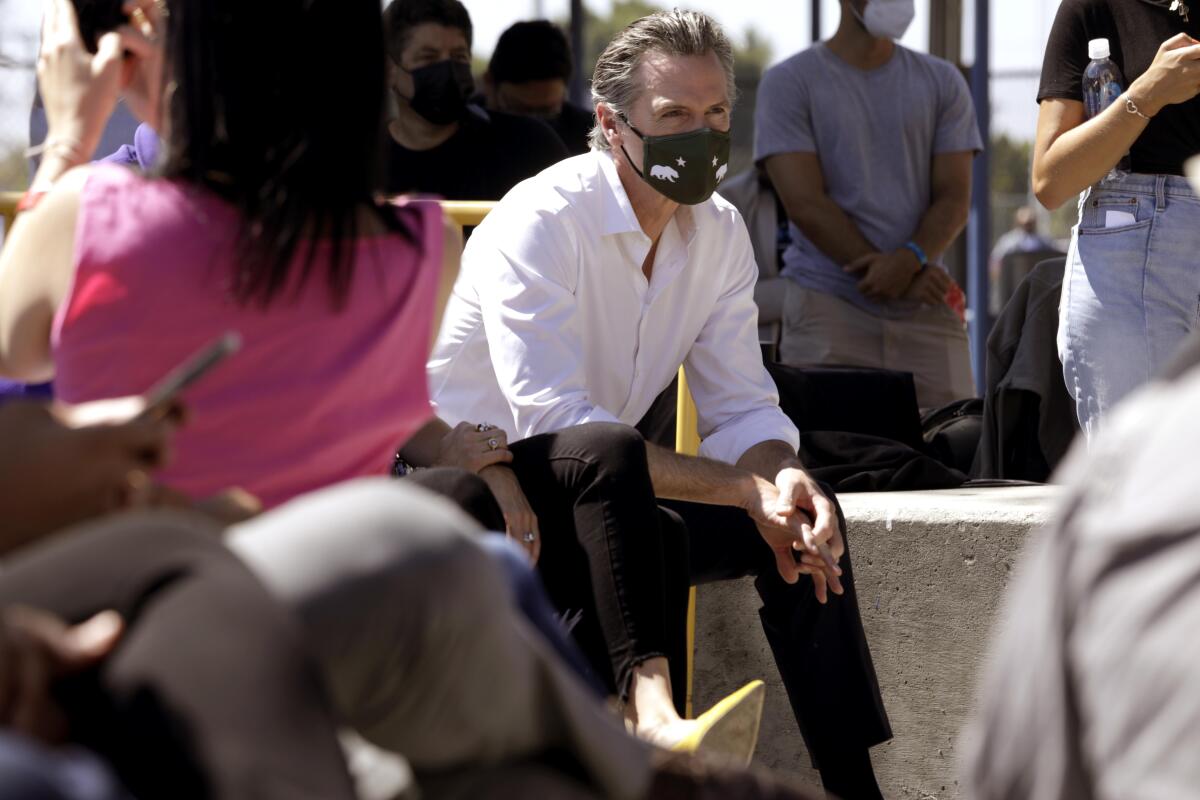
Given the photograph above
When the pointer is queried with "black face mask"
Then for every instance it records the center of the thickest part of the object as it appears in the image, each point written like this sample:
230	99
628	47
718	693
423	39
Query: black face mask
684	167
441	91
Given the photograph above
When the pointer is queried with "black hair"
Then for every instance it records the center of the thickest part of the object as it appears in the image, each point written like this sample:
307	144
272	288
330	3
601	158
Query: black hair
401	16
278	108
531	51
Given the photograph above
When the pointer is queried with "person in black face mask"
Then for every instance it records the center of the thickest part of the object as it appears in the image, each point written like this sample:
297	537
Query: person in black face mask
579	297
528	75
439	142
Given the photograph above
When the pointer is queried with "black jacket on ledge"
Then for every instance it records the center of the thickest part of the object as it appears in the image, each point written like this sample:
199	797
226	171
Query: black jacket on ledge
1028	415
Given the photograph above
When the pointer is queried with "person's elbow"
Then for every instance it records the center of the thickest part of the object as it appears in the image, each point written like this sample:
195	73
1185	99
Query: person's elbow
28	364
1047	187
1048	193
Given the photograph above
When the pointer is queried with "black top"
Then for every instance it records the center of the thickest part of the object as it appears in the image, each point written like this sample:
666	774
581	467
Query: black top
1135	29
574	126
489	154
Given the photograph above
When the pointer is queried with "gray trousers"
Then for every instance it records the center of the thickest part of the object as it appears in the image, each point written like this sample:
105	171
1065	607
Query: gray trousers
423	648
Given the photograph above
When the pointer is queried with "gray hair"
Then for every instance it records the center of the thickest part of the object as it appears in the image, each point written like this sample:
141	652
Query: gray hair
615	81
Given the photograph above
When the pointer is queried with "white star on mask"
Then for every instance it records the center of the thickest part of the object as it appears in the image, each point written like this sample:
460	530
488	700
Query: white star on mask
714	161
681	162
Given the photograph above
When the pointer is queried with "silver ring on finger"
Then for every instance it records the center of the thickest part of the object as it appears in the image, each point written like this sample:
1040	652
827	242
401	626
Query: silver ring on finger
529	538
484	427
493	444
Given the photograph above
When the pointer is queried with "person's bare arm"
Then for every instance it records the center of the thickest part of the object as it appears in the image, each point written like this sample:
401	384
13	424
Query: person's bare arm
887	276
60	464
699	480
790	535
36	265
950	203
79	92
1072	153
800	184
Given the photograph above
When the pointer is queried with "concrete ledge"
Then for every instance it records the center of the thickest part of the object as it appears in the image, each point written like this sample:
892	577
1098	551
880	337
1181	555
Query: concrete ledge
931	567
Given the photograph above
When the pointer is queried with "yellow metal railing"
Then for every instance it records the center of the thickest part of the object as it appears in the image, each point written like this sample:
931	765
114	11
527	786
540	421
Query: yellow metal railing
687	442
467	213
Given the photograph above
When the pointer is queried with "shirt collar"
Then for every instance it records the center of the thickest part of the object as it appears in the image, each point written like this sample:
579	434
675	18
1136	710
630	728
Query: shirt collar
618	210
619	216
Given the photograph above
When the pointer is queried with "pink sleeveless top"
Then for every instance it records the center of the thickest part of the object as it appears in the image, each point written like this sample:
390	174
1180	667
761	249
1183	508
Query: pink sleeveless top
316	395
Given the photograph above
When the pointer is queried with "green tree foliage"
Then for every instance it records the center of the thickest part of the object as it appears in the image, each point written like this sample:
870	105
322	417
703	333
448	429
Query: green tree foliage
1011	161
751	55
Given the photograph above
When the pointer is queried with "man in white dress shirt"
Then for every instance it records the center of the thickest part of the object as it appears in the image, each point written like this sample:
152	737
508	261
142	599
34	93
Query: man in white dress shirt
578	299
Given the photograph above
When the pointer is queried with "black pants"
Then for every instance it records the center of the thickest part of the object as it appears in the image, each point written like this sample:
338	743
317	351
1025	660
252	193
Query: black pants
211	691
610	549
821	650
604	551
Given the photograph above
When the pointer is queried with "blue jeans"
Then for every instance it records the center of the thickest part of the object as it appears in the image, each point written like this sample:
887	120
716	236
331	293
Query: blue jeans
537	608
1131	289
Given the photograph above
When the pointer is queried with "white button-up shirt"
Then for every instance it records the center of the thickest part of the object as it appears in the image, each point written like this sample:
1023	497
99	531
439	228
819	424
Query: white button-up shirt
552	322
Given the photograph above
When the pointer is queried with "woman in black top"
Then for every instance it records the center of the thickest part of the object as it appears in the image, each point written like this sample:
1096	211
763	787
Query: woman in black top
1131	290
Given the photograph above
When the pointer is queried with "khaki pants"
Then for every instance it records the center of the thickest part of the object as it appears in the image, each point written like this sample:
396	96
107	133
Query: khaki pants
821	329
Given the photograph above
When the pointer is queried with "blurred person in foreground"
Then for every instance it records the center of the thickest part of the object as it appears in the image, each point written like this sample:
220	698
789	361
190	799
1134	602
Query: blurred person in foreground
1090	684
132	641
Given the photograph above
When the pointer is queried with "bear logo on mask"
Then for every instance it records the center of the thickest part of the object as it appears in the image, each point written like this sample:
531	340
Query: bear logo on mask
664	173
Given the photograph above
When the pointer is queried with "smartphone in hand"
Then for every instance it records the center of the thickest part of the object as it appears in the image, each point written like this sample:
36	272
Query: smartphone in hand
163	394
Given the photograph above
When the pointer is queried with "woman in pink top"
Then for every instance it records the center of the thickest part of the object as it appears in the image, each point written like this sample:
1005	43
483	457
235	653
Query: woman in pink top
264	219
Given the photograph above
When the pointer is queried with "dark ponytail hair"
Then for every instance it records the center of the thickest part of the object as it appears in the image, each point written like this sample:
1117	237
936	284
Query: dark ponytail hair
277	107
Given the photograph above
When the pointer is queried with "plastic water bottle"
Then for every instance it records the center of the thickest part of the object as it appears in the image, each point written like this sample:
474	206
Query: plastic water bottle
1102	85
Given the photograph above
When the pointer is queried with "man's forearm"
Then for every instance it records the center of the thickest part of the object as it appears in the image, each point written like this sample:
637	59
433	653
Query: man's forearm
941	225
830	228
767	459
423	447
698	480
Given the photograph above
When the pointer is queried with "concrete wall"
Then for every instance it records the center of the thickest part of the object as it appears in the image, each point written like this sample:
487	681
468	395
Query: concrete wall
931	568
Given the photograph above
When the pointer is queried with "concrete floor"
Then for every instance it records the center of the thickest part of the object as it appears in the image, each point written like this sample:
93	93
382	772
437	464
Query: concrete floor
931	569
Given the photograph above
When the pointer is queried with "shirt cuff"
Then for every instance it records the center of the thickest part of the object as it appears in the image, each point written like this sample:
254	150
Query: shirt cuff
731	441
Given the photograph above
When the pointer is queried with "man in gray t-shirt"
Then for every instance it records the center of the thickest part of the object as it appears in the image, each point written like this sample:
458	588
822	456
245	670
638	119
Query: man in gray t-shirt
869	146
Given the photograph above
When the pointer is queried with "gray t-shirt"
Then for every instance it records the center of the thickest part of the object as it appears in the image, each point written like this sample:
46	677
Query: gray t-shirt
876	133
